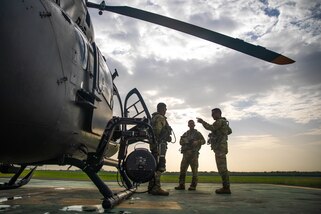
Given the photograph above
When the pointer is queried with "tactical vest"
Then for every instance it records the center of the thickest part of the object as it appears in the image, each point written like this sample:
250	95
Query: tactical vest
188	138
218	138
165	131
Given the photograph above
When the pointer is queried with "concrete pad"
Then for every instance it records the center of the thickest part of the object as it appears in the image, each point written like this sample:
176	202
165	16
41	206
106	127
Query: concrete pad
55	196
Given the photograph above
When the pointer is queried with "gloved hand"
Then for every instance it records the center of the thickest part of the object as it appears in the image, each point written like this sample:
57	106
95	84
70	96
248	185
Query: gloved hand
199	120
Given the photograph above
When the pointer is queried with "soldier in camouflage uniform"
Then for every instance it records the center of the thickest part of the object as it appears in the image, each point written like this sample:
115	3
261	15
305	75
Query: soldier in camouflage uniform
162	133
218	139
191	142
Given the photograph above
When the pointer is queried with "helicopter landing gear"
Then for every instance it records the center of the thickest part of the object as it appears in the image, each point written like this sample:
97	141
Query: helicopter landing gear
117	198
135	168
91	168
13	183
110	199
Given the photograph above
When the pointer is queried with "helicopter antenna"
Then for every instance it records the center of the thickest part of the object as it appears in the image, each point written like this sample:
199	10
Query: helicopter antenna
115	74
102	6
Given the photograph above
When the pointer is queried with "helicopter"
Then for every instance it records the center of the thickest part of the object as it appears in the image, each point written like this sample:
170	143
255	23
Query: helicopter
59	96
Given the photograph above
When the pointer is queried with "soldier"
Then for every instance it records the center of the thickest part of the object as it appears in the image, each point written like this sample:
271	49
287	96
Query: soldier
191	142
218	140
162	133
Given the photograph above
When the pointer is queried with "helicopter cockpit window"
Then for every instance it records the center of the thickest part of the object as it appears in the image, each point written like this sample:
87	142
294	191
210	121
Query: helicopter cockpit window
105	83
83	52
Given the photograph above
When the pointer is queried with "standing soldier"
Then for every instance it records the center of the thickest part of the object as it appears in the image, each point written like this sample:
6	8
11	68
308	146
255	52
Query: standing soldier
218	140
162	133
191	142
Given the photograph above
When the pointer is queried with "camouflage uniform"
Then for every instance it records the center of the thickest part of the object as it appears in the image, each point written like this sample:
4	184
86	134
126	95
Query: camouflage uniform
218	140
159	124
191	142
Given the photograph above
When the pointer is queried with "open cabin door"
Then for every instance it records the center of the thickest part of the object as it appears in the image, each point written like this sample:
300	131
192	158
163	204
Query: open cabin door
135	106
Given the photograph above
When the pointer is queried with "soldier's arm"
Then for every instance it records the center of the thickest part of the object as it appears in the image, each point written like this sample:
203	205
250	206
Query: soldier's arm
201	138
216	125
206	125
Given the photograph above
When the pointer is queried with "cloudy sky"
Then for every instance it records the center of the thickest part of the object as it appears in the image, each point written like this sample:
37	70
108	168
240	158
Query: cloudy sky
274	110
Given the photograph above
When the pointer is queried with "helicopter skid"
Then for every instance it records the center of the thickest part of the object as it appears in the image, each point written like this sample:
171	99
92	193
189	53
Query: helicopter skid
13	183
117	198
110	199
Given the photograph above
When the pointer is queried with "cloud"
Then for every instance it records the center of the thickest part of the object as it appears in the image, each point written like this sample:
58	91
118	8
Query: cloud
312	132
300	105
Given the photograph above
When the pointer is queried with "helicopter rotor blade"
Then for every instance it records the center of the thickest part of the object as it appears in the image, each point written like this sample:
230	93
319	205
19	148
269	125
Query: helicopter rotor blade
233	43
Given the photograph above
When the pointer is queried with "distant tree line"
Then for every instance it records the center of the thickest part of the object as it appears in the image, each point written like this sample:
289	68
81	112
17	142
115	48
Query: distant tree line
271	173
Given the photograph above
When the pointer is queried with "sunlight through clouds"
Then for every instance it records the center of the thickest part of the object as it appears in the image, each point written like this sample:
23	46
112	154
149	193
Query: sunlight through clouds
181	116
170	101
257	142
151	92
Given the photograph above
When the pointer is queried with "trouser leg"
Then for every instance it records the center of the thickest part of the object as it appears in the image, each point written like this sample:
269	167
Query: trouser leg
155	182
183	170
222	169
194	167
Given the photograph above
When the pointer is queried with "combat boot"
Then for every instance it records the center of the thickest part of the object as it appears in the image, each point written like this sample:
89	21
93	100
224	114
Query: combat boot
180	187
192	188
224	190
193	185
159	191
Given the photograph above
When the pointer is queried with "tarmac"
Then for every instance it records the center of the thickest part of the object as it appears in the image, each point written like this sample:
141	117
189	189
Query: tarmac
56	196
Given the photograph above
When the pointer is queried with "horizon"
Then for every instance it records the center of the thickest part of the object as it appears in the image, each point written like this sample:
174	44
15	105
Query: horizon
113	170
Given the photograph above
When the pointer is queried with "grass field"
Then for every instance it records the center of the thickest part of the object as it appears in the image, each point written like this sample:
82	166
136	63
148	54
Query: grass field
312	179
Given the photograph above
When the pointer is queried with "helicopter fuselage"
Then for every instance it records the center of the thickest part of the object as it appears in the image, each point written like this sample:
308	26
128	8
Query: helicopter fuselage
56	90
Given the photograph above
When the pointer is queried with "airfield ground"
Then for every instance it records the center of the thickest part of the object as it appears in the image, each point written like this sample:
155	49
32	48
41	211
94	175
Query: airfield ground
58	196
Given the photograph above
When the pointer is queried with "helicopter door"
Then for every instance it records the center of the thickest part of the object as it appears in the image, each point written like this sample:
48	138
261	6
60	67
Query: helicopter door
103	90
135	106
104	80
